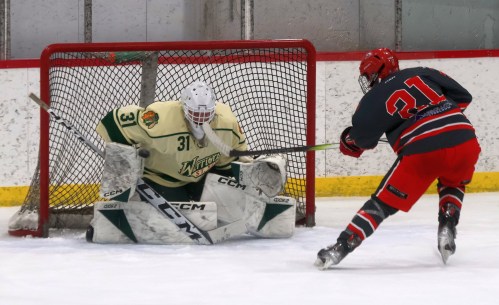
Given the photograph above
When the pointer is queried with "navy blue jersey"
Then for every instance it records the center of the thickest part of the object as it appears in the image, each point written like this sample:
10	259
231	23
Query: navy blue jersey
419	110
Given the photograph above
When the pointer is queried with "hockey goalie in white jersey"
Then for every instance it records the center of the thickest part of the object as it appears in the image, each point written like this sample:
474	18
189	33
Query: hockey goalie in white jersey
166	144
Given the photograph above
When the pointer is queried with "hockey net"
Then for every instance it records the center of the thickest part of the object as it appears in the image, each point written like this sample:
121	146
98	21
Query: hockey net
269	85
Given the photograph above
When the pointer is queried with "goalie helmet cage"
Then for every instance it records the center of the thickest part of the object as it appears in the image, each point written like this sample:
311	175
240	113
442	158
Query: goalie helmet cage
269	85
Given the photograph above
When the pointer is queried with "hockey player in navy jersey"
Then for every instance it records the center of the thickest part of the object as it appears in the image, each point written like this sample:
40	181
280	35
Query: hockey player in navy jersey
421	112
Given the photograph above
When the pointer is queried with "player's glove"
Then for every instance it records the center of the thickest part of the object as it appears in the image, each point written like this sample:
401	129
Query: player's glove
347	145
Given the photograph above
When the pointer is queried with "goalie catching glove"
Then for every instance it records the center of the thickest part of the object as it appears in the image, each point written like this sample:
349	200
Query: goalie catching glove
266	173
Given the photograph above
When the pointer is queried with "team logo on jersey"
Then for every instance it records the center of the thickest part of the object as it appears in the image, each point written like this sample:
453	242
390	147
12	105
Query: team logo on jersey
198	167
150	119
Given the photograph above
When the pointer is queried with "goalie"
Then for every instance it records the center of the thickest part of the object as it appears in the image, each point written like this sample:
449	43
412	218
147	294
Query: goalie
166	144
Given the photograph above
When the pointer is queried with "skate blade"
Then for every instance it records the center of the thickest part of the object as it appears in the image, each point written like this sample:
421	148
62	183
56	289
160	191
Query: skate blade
445	254
444	246
323	265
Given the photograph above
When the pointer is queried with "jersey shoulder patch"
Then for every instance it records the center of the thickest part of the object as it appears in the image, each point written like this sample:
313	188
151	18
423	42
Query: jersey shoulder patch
163	118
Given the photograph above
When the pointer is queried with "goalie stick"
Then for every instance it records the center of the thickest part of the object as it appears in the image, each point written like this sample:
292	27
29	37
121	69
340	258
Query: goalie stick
154	198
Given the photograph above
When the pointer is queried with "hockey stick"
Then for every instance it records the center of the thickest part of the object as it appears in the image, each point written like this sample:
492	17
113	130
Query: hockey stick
273	151
227	151
153	197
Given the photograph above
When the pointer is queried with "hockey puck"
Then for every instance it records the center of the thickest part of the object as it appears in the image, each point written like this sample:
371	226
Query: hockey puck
89	235
144	153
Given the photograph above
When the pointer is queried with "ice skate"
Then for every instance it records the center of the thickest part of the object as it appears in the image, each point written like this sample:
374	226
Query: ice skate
448	219
334	254
446	244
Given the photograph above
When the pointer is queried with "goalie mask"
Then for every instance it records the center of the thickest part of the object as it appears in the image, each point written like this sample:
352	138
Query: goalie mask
198	102
375	66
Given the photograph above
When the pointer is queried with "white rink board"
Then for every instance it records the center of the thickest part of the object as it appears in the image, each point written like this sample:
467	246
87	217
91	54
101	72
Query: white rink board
337	95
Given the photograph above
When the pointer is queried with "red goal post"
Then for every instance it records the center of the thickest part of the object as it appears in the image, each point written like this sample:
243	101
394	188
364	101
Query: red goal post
269	84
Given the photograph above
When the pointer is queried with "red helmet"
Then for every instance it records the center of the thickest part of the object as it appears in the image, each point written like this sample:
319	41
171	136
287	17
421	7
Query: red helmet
375	66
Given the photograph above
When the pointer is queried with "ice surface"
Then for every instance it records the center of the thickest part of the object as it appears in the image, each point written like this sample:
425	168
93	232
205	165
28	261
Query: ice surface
399	265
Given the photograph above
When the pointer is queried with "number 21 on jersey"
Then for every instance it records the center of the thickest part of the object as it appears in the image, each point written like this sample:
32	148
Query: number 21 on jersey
410	108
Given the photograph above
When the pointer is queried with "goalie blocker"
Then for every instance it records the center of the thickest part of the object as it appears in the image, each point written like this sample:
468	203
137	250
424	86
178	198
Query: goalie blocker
224	201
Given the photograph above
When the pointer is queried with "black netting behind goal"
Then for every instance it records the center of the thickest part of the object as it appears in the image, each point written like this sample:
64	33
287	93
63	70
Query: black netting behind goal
266	86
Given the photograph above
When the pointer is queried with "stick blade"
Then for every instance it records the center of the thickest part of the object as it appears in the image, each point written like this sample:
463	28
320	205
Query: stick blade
37	100
321	146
